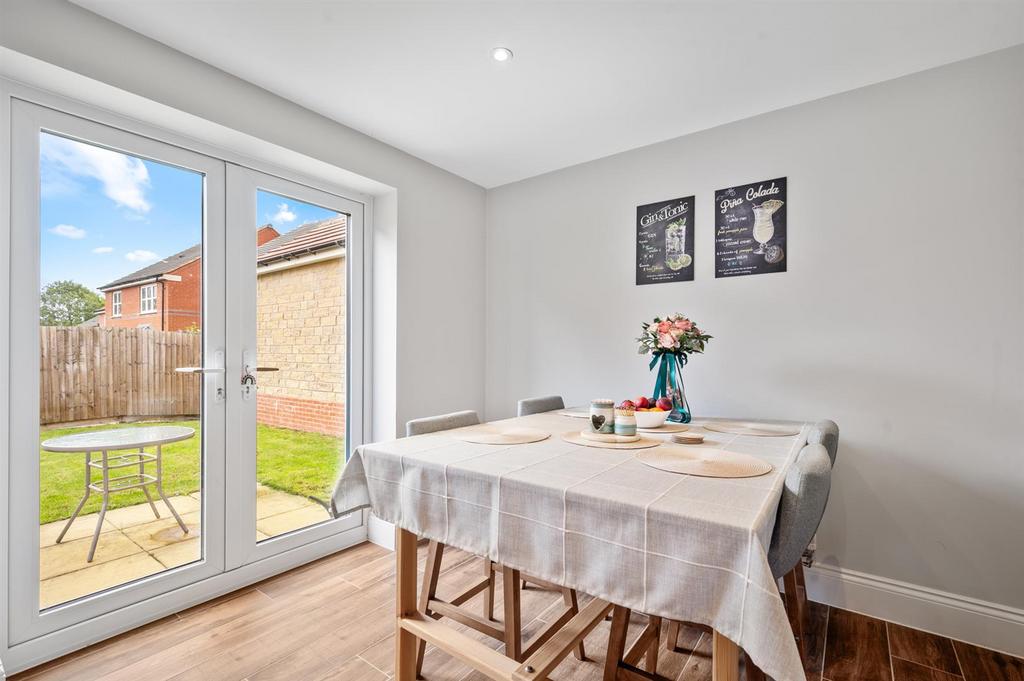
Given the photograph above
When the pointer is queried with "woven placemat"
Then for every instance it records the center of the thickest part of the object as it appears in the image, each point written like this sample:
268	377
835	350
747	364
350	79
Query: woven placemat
665	428
577	439
752	428
498	435
705	462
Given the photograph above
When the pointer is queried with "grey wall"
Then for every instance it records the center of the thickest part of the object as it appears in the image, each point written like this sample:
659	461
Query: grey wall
901	316
440	216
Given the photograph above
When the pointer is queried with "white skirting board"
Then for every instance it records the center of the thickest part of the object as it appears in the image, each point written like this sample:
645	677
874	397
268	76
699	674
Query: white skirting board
982	623
380	532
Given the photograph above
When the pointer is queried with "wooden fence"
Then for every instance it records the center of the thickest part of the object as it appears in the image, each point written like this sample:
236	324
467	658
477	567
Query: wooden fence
101	373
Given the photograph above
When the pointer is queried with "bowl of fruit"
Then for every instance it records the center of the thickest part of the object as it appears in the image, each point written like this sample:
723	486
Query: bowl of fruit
651	412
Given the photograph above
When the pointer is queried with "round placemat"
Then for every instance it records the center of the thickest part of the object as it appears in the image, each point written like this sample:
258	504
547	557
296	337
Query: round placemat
608	437
665	428
497	435
752	428
574	437
705	462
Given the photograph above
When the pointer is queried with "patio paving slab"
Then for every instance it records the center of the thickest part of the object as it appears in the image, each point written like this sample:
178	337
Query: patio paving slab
270	502
142	513
83	526
293	520
96	578
183	552
165	532
69	556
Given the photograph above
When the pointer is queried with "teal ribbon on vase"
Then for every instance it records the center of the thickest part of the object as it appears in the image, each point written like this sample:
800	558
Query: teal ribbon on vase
669	383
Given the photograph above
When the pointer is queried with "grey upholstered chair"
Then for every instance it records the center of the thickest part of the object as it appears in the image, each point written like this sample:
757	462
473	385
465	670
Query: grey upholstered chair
538	405
825	433
433	424
804	496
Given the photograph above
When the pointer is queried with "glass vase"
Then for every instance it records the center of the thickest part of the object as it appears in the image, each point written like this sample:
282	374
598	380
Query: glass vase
669	383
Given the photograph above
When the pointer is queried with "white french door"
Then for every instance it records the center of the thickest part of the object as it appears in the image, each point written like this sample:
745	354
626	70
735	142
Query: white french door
186	372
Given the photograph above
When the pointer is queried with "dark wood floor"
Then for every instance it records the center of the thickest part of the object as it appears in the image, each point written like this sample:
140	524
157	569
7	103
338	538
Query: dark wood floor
333	621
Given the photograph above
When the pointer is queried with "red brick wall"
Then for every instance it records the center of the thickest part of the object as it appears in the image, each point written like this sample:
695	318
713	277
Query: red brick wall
311	416
130	316
184	298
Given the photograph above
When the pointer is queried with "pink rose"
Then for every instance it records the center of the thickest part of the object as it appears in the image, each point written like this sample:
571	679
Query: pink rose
666	341
677	333
664	327
653	328
683	324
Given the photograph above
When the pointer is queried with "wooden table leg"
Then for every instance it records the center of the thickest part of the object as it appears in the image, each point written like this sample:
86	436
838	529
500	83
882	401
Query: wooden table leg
725	659
616	642
513	626
405	604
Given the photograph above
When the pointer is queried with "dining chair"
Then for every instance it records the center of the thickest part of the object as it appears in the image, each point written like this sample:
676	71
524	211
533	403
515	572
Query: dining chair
825	432
510	629
538	405
805	494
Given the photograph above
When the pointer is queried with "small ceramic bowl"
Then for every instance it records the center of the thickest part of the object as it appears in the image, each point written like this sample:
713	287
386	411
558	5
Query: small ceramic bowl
650	419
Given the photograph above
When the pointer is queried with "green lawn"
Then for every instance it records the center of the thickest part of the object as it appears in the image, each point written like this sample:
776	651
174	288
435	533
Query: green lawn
288	460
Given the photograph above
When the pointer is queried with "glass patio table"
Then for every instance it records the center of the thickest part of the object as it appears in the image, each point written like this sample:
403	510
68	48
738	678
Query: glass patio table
105	441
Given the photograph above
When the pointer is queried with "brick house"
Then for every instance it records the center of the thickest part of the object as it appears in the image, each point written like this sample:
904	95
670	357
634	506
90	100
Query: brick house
164	296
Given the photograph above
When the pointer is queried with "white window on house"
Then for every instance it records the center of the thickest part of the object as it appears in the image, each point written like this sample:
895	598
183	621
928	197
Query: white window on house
147	298
115	304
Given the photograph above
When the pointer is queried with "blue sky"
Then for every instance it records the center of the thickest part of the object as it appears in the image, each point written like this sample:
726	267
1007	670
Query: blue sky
105	214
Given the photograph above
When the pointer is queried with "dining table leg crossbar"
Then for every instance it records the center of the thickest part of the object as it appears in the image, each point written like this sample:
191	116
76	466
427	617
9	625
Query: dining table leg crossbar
416	624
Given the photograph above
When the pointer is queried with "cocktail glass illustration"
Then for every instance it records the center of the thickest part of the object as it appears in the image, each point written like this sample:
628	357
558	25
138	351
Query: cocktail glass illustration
764	227
675	245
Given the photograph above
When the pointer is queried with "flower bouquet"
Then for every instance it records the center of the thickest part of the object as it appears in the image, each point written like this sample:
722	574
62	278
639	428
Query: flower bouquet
671	341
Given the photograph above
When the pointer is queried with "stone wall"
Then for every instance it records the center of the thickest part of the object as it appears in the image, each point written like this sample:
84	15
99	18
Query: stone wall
301	330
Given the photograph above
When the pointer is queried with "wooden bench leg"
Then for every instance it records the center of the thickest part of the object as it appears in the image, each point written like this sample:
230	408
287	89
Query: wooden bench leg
513	624
572	604
435	553
616	642
725	659
405	604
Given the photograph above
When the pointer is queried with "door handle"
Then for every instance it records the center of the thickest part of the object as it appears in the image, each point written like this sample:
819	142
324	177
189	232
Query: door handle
218	371
249	375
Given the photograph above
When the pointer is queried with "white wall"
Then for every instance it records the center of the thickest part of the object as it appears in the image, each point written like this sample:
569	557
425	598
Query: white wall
440	216
901	316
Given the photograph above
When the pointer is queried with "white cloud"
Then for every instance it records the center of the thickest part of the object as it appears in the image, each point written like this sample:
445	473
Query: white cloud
68	231
283	214
140	255
124	178
100	250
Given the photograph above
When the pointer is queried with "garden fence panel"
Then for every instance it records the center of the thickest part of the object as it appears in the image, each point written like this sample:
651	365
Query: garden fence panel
89	373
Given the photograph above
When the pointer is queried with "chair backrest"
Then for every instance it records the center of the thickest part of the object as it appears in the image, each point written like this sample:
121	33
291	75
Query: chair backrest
825	433
801	507
432	424
537	405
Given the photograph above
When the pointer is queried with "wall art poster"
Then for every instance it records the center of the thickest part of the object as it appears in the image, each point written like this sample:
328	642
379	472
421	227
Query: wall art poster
750	229
664	241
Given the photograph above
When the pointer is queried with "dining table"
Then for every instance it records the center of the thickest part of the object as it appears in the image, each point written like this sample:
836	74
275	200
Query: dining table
680	547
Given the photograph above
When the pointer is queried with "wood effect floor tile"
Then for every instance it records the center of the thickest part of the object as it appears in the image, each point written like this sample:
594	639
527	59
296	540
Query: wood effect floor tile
904	670
857	648
979	664
815	630
923	648
354	670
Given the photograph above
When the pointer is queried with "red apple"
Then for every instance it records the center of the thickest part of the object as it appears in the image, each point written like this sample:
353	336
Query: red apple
642	403
664	403
627	405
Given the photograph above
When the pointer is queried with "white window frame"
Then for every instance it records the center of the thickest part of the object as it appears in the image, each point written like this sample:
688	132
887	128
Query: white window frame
22	78
143	299
115	304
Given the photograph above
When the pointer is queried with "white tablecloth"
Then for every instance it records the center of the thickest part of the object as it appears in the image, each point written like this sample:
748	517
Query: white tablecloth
600	521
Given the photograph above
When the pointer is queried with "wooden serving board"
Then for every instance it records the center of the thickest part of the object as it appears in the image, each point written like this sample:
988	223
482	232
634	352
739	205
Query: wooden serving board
575	437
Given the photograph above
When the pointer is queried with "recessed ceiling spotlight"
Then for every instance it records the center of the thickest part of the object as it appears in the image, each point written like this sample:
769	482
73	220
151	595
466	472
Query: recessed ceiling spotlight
501	54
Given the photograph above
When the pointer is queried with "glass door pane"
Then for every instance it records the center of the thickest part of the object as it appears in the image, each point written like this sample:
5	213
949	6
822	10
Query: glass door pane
295	284
300	347
120	462
117	422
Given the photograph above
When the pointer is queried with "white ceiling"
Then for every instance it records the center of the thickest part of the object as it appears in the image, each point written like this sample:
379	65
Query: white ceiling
588	79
